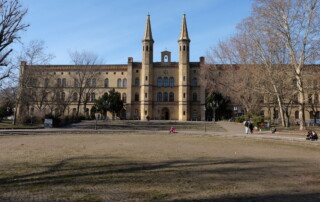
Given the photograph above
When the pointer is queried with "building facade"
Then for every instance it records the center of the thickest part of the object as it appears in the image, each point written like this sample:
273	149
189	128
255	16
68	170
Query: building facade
162	90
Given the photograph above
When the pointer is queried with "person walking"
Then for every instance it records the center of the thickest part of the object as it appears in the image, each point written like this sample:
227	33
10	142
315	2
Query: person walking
251	127
246	126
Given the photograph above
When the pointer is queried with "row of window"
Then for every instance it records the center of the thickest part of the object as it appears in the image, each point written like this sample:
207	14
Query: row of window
121	83
166	97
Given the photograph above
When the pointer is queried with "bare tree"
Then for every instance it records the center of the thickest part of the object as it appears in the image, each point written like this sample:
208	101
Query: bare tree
11	24
296	23
85	76
34	84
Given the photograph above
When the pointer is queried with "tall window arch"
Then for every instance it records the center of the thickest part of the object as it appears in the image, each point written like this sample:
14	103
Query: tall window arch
58	82
136	97
137	82
75	97
119	83
194	82
159	81
165	82
159	97
46	82
124	83
194	97
165	97
171	97
106	83
93	97
124	98
64	83
63	96
171	82
94	82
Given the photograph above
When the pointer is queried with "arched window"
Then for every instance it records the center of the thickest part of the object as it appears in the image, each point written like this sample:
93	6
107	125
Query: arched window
93	97
171	82
75	97
296	114
124	98
171	97
165	97
76	83
63	96
34	96
136	97
46	82
94	83
159	97
147	48
59	82
106	83
194	82
184	48
87	97
64	83
137	82
119	83
88	81
165	82
159	81
124	83
194	97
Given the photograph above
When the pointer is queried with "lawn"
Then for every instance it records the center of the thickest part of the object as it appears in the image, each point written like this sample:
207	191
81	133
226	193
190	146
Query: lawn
153	167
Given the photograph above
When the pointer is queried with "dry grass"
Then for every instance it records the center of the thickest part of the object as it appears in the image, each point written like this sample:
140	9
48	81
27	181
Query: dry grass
139	167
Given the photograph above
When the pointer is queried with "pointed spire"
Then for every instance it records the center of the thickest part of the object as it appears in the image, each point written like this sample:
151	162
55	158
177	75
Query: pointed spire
184	30
148	33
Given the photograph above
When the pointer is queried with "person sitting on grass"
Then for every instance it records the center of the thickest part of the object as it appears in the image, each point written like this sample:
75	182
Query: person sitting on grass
309	135
172	130
314	136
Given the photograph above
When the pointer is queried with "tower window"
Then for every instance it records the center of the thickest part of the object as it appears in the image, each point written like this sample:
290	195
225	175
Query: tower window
136	97
146	78
184	78
147	48
180	48
165	97
150	48
166	58
165	82
159	81
159	97
184	95
146	95
184	48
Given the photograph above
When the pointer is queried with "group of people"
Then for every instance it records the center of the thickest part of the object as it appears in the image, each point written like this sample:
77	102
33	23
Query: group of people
248	125
312	135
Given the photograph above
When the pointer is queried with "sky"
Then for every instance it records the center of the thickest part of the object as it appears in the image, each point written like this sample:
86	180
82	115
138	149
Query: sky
113	29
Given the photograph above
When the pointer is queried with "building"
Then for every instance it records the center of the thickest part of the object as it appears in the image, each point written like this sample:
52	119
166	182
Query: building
164	90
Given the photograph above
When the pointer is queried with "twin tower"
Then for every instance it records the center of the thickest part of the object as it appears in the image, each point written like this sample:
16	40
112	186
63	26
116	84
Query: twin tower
183	108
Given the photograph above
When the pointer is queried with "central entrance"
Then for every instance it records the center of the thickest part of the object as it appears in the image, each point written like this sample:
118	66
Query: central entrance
165	115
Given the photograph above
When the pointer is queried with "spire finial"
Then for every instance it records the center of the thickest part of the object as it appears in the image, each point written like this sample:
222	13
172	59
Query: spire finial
184	30
148	32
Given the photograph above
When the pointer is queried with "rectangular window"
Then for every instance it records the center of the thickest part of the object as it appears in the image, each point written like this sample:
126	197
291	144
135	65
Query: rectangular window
184	95
146	95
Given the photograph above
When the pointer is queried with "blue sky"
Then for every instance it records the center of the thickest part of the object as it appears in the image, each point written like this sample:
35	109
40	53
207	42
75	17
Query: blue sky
113	29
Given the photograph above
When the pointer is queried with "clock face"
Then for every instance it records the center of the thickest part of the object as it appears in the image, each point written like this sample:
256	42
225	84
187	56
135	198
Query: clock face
165	72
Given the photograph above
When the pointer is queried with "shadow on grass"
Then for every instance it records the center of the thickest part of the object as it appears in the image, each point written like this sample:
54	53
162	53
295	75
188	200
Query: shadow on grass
180	177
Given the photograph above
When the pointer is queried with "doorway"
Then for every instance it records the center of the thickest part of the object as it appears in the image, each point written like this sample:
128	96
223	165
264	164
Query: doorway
165	115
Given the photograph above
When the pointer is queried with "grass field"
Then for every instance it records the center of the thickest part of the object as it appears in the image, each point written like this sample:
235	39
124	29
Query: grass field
140	167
